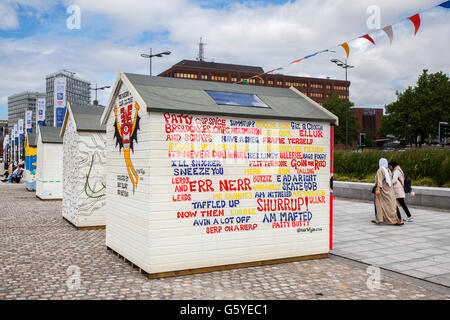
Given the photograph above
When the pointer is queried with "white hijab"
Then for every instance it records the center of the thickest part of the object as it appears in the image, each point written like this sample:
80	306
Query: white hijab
383	163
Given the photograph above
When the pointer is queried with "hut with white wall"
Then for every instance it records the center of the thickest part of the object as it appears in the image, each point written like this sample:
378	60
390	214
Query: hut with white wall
30	161
49	162
84	166
204	176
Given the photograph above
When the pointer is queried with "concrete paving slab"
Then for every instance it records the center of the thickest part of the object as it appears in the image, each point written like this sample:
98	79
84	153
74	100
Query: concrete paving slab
38	247
419	249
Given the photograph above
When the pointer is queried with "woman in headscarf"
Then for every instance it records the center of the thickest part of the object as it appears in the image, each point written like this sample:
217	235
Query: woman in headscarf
385	202
398	181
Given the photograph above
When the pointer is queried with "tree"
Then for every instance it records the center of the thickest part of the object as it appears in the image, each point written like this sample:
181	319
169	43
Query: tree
337	107
419	108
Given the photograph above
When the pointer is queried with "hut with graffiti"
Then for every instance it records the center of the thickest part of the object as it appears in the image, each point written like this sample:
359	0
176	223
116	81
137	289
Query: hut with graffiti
49	163
204	175
30	161
84	166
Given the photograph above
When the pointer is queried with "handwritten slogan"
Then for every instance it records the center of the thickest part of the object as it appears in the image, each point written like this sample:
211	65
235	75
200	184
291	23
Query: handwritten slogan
253	174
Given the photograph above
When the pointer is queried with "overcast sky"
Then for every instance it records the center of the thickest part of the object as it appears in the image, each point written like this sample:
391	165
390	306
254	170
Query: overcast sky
35	40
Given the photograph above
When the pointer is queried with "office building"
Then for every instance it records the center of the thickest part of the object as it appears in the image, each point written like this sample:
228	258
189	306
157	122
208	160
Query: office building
369	119
19	103
69	89
317	89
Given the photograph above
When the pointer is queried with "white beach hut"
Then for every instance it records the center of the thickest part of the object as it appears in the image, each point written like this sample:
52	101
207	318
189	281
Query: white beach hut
204	176
49	163
84	166
30	161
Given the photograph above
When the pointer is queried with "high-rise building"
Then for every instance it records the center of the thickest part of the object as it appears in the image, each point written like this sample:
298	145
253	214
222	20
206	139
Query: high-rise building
317	89
3	133
369	119
19	103
69	88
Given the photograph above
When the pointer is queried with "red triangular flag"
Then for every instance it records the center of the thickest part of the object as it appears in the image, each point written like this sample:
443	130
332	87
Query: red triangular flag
368	38
416	20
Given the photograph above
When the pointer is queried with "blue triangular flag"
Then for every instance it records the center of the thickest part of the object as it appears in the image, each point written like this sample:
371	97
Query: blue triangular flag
445	4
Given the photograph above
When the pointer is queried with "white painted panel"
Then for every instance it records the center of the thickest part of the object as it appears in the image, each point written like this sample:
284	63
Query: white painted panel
267	180
49	169
127	206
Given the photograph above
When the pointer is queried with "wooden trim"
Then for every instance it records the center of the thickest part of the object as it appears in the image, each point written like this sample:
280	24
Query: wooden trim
86	227
222	267
235	266
43	199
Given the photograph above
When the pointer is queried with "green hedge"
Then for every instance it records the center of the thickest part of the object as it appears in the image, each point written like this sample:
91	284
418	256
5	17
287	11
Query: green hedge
419	164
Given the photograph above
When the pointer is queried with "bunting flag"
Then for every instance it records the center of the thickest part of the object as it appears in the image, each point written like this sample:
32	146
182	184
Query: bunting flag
273	70
389	33
311	55
295	61
445	4
366	36
415	19
346	48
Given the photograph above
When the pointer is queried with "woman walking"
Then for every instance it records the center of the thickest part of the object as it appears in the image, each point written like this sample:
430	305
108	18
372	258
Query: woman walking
398	181
385	202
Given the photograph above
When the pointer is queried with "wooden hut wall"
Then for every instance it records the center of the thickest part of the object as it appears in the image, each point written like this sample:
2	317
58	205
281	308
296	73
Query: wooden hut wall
49	170
84	176
201	191
30	167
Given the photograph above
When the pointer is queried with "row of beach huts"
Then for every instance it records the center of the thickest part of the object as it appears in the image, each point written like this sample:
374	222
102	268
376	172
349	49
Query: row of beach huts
192	176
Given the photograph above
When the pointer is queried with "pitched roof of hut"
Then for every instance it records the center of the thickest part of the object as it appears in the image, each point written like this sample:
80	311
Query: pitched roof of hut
161	94
49	134
86	117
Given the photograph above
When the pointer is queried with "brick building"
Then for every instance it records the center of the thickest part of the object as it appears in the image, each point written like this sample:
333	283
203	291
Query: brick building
317	89
369	119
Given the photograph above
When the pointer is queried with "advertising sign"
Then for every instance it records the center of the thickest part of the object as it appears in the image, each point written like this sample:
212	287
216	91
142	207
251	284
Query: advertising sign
28	117
20	128
40	111
16	136
60	100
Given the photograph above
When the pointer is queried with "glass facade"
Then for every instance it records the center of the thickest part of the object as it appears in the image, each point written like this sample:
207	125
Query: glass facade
77	91
18	104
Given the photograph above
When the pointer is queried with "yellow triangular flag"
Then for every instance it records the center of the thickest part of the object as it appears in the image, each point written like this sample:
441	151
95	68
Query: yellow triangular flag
346	48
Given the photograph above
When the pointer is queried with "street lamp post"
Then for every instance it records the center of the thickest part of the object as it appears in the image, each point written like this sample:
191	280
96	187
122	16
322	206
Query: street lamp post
345	66
96	89
150	56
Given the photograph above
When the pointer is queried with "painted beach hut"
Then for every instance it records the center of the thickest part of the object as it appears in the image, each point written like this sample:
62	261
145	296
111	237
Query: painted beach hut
84	166
49	162
204	176
30	161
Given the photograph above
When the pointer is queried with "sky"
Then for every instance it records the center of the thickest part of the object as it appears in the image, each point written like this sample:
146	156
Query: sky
35	40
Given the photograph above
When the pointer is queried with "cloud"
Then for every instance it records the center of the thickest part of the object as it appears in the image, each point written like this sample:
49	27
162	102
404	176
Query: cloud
8	17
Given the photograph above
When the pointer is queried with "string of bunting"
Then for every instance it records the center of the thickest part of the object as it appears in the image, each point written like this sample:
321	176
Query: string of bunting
415	19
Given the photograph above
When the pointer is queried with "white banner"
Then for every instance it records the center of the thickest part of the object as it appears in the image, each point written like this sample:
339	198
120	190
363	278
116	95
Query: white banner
59	101
40	111
15	131
20	127
28	118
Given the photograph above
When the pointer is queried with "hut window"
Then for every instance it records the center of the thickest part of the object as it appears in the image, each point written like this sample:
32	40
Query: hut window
236	99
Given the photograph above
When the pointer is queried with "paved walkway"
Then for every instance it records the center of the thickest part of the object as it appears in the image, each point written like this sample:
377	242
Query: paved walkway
43	257
419	249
